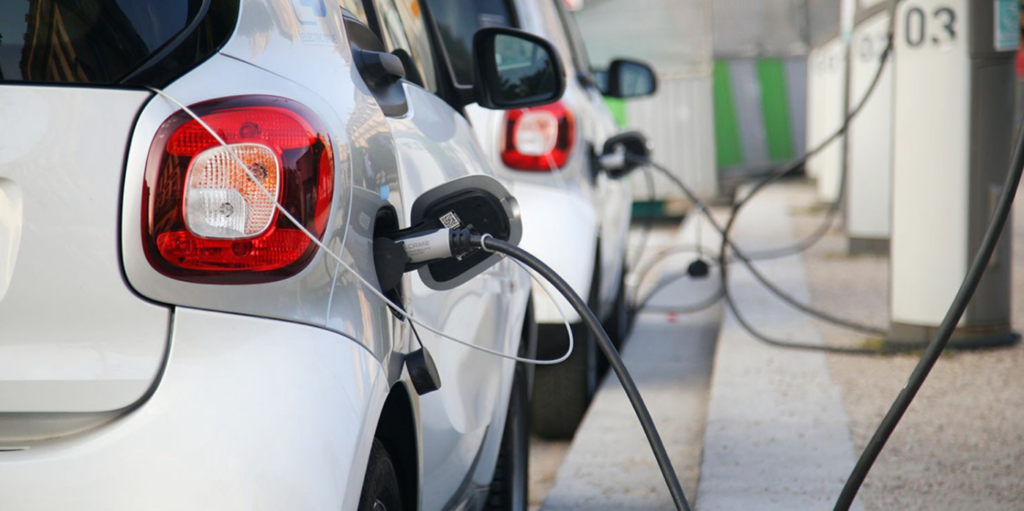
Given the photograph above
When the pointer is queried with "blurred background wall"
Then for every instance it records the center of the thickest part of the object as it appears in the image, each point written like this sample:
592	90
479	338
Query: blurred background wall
733	80
675	37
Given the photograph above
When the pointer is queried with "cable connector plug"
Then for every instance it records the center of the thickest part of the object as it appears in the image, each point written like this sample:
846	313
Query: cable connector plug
439	244
394	257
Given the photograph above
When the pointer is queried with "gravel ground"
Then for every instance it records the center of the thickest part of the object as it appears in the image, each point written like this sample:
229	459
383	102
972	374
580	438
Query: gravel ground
546	457
961	444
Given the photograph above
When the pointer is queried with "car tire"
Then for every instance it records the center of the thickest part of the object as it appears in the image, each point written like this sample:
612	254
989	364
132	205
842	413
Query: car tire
510	486
562	392
380	486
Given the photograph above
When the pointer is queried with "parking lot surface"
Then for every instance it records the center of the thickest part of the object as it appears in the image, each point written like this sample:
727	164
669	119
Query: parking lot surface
961	443
960	446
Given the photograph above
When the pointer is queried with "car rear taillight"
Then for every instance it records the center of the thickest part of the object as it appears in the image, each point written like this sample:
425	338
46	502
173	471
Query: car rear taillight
539	138
203	218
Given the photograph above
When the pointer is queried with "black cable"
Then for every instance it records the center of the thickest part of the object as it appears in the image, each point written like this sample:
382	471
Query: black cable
812	239
775	176
727	242
614	360
942	333
850	116
741	256
646	270
702	305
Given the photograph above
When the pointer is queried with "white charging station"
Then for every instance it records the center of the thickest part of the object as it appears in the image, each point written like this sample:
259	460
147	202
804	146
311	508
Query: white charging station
826	100
827	90
868	213
953	115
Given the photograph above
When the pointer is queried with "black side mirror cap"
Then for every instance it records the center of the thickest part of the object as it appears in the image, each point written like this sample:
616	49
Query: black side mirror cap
624	152
515	69
379	65
630	79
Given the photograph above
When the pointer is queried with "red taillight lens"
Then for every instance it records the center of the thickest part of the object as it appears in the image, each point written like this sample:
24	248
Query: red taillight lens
539	138
204	220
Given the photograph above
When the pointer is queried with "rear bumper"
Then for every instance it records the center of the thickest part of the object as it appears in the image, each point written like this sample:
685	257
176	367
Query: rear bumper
250	414
561	228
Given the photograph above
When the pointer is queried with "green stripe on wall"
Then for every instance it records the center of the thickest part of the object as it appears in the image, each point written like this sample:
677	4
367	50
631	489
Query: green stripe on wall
729	147
775	103
618	109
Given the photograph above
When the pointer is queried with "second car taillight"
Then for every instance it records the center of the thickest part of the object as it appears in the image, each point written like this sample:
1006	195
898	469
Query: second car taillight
205	220
539	138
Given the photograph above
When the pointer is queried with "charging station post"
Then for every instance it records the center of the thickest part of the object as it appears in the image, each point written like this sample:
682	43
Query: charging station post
868	204
952	136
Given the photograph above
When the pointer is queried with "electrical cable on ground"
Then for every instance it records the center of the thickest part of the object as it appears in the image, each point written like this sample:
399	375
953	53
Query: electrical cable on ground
811	239
772	287
772	177
792	166
645	271
702	305
727	242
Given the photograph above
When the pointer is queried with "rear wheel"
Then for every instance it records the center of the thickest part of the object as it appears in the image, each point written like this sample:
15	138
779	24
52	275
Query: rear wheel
510	487
380	486
561	393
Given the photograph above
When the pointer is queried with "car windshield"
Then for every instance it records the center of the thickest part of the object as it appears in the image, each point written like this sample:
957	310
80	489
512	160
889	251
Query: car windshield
459	21
85	41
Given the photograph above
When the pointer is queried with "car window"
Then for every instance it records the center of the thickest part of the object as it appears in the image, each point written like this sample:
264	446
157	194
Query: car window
572	31
357	9
459	21
87	41
405	34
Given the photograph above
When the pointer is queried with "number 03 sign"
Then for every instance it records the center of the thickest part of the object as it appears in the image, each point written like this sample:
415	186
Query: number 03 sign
952	122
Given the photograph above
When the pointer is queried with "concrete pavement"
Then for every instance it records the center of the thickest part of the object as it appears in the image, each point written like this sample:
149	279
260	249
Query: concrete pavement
781	429
777	433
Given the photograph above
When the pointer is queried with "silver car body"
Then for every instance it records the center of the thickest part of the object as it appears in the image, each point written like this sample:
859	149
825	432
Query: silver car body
574	216
121	388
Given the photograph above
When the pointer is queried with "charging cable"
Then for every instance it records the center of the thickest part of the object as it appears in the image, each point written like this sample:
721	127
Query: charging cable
614	359
816	236
774	176
447	243
792	166
723	261
372	288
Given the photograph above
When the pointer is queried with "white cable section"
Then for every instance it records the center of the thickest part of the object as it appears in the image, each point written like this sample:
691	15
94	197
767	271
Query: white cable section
398	309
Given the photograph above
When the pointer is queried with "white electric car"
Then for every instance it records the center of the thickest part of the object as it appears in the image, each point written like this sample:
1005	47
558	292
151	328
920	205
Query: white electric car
170	340
576	214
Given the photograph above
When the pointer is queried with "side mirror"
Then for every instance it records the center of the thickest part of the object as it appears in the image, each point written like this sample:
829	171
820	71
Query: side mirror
478	203
515	69
623	153
630	79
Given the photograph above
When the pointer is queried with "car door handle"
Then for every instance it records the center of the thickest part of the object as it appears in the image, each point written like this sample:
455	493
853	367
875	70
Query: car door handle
379	65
